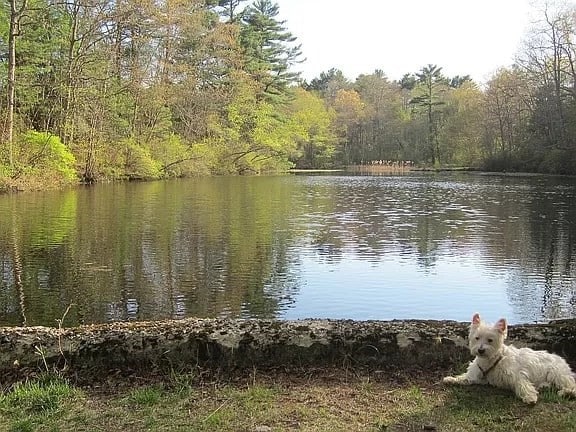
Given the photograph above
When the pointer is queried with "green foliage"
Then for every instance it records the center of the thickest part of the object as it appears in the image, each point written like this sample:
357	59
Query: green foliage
519	161
250	136
408	82
228	8
428	98
144	91
459	81
558	161
460	138
4	180
269	50
43	156
40	44
310	125
328	84
385	117
138	162
120	161
178	159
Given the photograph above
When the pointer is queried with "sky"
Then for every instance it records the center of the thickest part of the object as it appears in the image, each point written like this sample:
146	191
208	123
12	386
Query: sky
464	37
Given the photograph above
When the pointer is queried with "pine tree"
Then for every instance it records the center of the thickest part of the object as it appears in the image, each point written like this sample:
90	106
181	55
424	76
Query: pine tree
229	8
270	51
432	85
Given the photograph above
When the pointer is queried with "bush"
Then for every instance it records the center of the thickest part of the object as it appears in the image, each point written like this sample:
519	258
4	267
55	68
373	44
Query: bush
178	159
521	161
498	163
558	161
138	162
40	157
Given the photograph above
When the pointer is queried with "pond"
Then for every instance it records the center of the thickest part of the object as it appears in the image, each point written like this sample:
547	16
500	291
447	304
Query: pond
422	246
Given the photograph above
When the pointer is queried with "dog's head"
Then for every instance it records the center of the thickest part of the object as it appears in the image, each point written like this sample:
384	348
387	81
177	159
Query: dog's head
486	340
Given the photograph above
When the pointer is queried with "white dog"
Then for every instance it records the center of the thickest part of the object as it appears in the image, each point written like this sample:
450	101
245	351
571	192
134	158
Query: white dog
520	369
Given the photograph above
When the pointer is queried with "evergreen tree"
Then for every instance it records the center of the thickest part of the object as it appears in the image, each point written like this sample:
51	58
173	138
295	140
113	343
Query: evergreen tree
408	82
229	8
270	51
459	81
432	85
329	83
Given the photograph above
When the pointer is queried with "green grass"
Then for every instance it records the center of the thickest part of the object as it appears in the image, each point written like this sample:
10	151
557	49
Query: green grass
38	397
333	402
27	406
145	396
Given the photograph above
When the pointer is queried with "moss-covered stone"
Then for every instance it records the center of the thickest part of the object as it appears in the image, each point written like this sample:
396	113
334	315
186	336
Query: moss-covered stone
241	344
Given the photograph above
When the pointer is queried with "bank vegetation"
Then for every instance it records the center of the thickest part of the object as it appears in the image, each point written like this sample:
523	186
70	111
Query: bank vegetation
116	90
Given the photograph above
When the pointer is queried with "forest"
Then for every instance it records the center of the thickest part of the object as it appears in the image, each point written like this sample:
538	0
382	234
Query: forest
98	90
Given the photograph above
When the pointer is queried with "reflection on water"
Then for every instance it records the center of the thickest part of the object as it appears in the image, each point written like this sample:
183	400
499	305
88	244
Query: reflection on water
359	247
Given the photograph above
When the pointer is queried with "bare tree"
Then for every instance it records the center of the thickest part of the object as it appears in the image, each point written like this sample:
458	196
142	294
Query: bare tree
548	59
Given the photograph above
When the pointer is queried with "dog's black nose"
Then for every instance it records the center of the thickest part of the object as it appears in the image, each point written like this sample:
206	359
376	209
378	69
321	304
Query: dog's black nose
481	351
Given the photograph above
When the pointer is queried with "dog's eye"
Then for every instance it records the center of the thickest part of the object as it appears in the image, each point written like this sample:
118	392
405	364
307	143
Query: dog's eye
477	338
490	340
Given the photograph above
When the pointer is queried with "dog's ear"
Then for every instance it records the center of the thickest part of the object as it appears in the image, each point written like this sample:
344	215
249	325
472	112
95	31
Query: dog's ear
476	319
501	326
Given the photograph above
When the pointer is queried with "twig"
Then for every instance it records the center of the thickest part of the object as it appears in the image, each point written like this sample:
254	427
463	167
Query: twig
216	410
38	349
60	328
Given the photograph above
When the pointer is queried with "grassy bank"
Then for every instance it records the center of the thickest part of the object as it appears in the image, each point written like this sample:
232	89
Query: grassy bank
313	401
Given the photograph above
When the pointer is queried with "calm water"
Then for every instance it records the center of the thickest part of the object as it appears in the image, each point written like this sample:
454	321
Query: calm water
358	247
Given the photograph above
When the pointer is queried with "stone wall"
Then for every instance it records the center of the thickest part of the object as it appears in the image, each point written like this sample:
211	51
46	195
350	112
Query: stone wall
241	344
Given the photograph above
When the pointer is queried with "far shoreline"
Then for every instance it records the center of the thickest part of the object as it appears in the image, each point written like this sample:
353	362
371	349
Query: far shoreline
350	169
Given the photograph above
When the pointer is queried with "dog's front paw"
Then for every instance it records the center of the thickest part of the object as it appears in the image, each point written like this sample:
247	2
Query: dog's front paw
453	380
528	395
526	391
530	399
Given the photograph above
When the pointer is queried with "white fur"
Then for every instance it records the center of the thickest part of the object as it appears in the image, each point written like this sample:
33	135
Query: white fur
522	370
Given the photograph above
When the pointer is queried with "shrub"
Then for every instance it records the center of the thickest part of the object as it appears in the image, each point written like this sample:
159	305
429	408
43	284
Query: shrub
42	157
138	162
558	161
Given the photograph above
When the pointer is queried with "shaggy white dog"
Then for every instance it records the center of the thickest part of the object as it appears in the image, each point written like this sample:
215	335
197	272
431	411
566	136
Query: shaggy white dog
520	369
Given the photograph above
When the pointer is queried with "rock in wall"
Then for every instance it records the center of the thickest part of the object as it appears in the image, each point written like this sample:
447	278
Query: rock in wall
239	344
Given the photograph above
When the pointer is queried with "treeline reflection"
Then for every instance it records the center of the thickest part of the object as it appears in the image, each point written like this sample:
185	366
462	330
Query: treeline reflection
235	246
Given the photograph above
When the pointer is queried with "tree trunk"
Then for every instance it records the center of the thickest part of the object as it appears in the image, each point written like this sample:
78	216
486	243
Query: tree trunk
68	115
13	32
